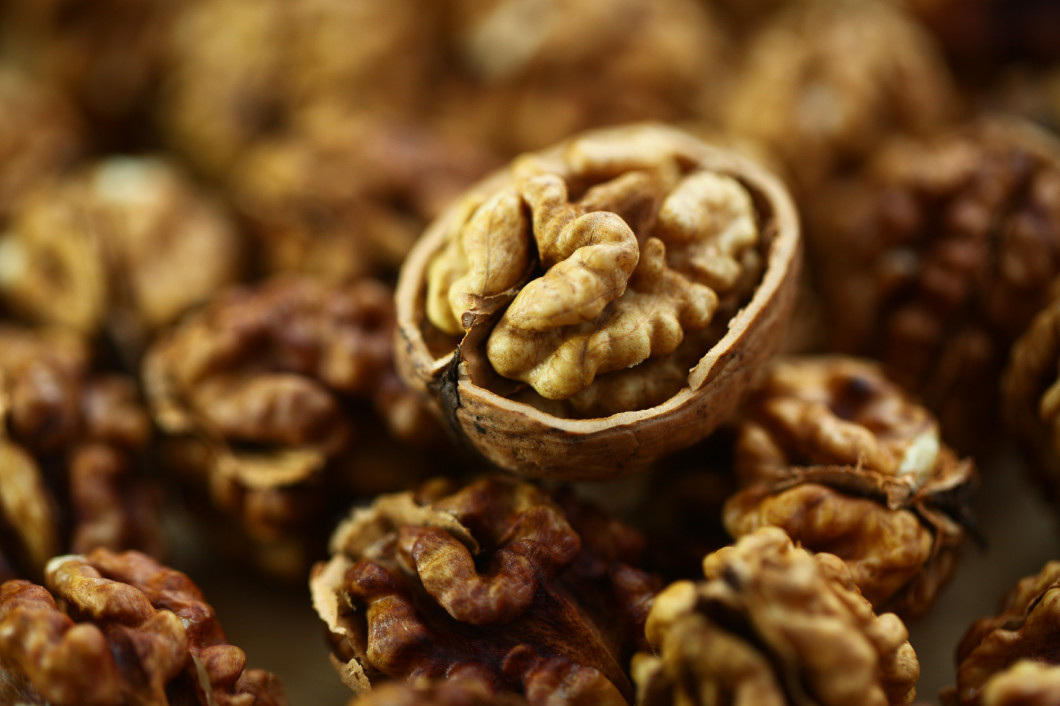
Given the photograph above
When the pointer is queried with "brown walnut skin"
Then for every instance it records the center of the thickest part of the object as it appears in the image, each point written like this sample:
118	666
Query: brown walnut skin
526	440
1026	628
773	625
71	441
939	257
845	462
278	402
120	629
494	581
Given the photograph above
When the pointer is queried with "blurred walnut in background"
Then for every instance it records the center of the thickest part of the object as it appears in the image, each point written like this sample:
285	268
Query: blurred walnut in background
937	258
278	402
111	629
773	624
71	445
845	462
495	581
119	248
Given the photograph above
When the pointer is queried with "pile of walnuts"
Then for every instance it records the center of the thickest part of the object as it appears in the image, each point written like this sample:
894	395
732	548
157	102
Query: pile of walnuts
552	352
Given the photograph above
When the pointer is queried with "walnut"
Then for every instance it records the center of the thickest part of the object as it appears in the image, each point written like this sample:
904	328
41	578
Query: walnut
823	82
70	443
583	64
126	244
343	196
1025	683
446	692
116	629
41	134
845	462
773	624
946	252
494	581
631	271
1025	629
271	398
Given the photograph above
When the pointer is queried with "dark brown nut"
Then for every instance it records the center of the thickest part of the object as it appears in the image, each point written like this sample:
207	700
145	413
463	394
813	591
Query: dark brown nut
845	462
116	629
70	442
600	303
446	692
494	581
581	63
125	245
943	262
271	397
347	195
773	624
824	82
41	134
1027	627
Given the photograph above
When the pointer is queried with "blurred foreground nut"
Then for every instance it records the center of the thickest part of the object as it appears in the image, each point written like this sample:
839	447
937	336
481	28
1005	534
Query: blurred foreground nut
343	196
270	398
120	629
773	625
495	581
1027	628
632	271
943	261
845	462
70	441
1025	683
823	82
124	245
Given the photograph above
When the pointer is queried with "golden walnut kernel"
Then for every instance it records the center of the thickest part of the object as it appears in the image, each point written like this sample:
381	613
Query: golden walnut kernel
630	271
70	441
271	400
943	261
126	244
845	462
772	625
823	82
1027	627
116	629
1025	683
494	581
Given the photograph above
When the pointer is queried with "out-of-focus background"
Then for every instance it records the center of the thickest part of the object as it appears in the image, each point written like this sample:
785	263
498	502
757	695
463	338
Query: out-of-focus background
154	153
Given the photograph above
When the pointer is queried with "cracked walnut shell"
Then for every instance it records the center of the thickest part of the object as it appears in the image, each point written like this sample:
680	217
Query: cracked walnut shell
845	462
116	629
773	625
70	443
601	302
495	581
1026	628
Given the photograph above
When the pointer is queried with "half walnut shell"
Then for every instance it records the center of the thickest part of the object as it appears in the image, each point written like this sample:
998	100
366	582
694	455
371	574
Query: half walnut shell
600	303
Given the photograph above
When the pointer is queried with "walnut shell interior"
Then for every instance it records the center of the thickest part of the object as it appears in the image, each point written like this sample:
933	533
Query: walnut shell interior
535	441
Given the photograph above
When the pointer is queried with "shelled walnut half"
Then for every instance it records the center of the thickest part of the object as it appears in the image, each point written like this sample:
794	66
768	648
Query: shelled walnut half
71	439
845	462
495	581
995	650
279	403
601	302
120	629
772	625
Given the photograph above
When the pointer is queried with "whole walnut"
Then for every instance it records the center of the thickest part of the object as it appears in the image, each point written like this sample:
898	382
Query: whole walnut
124	245
845	462
823	82
771	625
939	257
600	303
120	629
72	443
493	581
278	403
993	655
